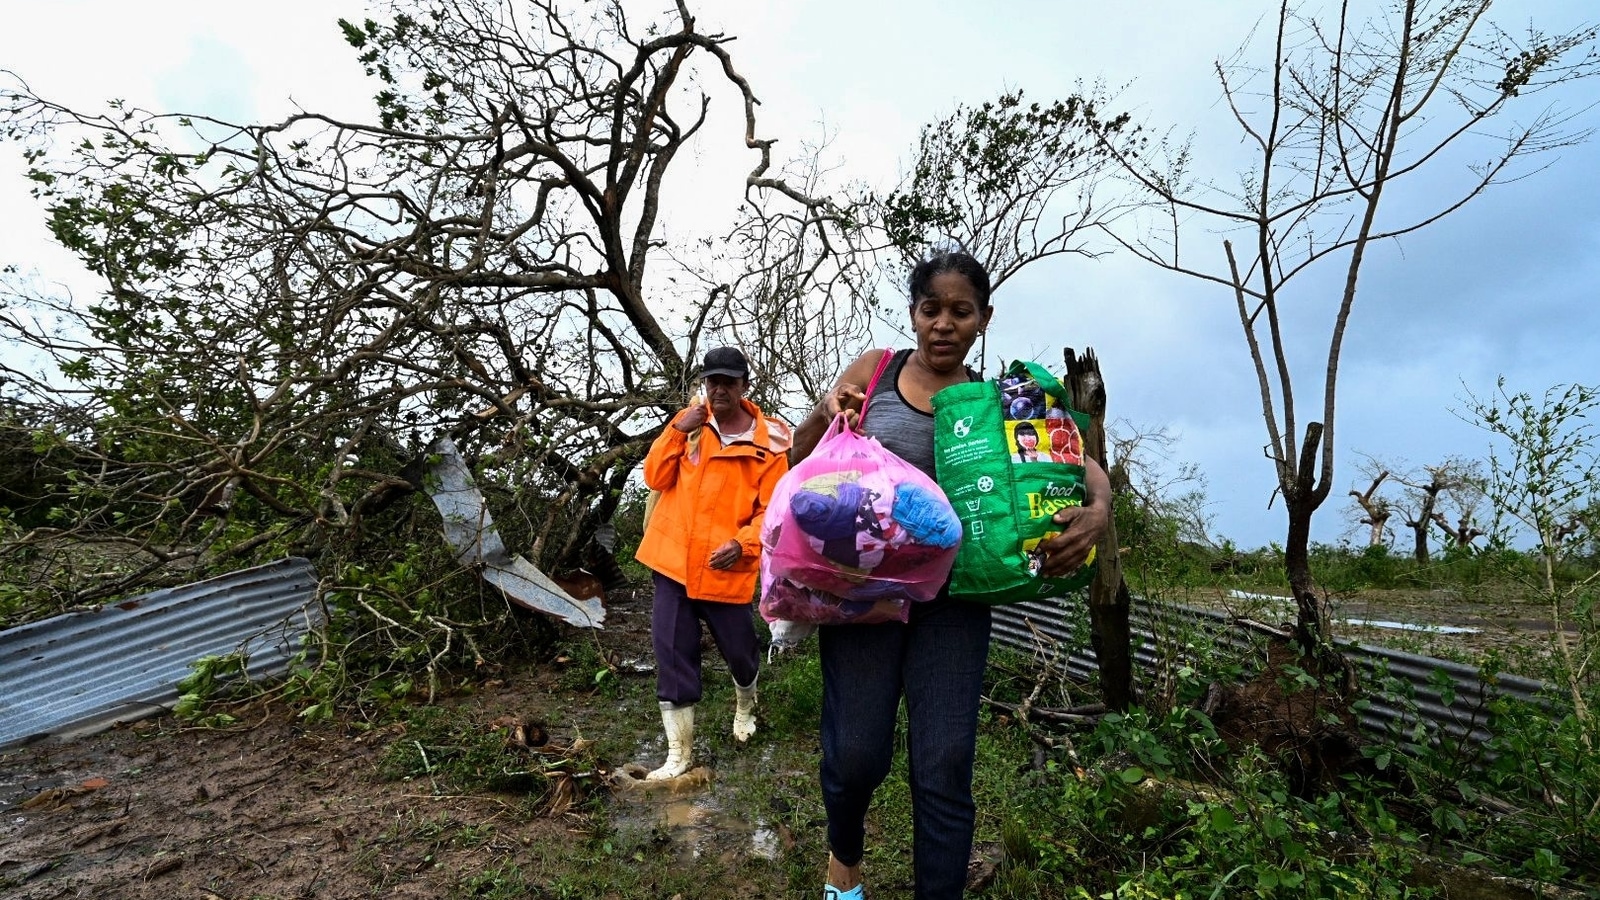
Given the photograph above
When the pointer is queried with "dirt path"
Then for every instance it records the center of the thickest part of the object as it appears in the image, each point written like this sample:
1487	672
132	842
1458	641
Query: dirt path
277	809
271	810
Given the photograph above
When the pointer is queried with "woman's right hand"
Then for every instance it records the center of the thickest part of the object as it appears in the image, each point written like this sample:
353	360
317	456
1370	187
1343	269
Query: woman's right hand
846	398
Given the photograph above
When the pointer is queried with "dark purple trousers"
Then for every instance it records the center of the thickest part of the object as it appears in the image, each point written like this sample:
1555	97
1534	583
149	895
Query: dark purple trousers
675	631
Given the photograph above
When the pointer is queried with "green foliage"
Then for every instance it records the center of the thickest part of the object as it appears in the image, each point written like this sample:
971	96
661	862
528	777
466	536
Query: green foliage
34	462
1154	804
401	630
1164	568
586	668
1342	569
498	883
1161	809
408	630
629	524
1521	792
791	692
985	176
19	603
1545	762
456	754
291	312
1545	479
1154	549
1547	484
209	676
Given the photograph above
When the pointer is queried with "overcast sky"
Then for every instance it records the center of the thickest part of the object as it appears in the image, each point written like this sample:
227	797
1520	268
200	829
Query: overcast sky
1509	286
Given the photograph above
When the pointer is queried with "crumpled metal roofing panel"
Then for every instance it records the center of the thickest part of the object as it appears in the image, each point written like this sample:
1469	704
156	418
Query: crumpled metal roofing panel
86	671
469	530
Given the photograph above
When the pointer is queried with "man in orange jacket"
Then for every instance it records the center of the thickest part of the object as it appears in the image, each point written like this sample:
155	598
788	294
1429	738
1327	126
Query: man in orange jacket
714	467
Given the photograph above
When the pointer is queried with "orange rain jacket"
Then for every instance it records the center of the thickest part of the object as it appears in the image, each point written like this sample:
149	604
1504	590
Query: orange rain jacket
721	494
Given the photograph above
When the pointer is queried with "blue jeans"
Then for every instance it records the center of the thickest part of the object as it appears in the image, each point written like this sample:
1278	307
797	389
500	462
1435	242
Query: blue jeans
937	662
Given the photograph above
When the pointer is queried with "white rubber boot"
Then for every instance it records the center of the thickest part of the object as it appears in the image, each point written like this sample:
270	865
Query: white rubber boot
679	723
744	712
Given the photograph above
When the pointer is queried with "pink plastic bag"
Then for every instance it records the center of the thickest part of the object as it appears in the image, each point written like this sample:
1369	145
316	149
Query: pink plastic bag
857	522
783	601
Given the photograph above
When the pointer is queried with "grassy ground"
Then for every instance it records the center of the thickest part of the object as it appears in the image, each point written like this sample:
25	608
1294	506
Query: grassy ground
441	802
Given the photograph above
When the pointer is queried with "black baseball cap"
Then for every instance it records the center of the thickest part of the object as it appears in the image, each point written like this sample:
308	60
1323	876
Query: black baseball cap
727	361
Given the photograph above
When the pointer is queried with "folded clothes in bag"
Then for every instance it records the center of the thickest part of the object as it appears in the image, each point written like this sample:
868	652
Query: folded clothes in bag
786	603
855	521
1009	454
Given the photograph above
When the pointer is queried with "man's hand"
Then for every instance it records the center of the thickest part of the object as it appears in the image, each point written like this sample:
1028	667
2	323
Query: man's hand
726	555
1081	529
691	418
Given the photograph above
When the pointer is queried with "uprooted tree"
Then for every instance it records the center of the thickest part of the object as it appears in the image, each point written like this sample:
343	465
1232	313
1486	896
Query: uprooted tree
1345	113
292	311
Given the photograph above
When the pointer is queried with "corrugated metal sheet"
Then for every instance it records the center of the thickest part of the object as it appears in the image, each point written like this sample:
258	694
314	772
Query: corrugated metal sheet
1463	716
1165	631
86	671
469	530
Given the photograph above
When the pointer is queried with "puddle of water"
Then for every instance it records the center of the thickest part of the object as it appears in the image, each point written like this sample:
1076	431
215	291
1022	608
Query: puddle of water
764	843
1246	595
697	827
688	813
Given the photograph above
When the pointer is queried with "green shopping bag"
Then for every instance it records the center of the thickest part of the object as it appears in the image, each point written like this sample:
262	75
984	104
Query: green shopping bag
1009	455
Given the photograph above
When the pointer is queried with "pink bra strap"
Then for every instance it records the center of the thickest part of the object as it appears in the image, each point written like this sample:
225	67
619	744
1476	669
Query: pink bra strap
872	385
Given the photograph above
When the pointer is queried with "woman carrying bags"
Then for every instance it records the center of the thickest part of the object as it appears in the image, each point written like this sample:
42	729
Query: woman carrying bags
935	660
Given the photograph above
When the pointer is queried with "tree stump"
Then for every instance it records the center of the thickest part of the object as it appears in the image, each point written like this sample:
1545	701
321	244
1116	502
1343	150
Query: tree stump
1111	636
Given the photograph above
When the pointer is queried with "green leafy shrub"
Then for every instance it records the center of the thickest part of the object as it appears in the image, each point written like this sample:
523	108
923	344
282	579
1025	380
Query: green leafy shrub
1515	784
457	754
1160	809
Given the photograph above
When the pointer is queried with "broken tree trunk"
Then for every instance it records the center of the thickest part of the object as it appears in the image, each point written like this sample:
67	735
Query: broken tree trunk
1377	510
1108	593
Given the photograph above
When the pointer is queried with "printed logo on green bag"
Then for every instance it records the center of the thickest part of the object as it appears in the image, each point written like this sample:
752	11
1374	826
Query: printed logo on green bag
986	484
962	427
1053	499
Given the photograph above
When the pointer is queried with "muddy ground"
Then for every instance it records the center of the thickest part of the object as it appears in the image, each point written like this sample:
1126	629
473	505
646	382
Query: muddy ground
277	809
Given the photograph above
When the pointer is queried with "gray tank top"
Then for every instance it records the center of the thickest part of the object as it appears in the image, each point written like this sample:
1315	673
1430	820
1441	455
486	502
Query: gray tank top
901	428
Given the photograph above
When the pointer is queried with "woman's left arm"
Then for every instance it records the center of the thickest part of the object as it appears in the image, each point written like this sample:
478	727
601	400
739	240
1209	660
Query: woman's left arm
1081	526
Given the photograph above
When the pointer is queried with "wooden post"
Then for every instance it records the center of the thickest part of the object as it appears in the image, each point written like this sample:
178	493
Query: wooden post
1108	593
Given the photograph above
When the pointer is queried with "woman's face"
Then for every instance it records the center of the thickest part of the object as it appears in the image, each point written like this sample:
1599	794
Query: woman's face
947	320
723	392
1027	440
